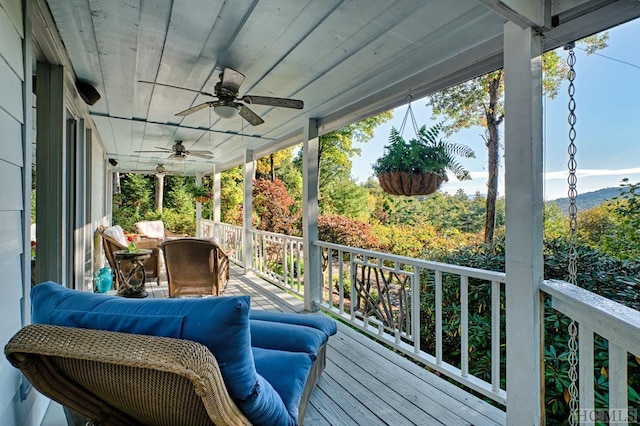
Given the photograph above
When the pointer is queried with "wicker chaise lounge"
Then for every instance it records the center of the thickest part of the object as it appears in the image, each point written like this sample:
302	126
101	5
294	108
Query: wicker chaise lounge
124	379
185	361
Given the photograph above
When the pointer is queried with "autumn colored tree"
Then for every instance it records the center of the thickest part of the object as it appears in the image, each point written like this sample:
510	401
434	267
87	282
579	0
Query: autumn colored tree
272	207
480	102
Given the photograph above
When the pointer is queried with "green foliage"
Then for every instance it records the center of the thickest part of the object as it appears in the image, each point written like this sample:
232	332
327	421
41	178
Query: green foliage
133	202
345	198
335	150
624	239
556	224
426	154
597	272
231	187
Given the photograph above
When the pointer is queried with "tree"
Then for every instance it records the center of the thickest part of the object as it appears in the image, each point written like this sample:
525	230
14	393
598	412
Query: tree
335	150
479	102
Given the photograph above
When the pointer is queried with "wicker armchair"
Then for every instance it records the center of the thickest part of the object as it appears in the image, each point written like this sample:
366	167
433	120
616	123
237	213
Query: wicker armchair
124	379
111	243
195	267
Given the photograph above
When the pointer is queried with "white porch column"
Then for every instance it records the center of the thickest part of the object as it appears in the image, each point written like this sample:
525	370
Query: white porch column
312	261
216	204
247	209
159	196
198	207
524	230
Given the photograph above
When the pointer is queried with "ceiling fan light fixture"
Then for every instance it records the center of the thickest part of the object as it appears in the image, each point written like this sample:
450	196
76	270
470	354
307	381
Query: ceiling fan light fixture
225	111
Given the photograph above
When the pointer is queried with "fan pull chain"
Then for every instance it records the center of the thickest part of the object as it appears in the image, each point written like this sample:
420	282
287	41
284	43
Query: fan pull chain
572	180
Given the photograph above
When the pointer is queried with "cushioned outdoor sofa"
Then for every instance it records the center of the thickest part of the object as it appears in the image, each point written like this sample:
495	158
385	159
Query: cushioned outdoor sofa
269	362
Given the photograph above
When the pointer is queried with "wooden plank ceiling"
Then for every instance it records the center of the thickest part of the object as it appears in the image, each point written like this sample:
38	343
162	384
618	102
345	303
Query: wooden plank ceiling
345	59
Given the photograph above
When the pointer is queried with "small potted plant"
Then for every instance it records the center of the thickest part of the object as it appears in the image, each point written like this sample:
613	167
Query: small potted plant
201	193
419	166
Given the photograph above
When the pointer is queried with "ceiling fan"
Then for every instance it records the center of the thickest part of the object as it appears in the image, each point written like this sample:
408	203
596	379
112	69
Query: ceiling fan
228	104
160	170
179	152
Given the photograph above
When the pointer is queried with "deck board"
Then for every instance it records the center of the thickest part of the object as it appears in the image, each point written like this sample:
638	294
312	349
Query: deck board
364	383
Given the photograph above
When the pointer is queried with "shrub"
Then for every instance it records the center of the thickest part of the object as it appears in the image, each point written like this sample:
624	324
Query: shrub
597	272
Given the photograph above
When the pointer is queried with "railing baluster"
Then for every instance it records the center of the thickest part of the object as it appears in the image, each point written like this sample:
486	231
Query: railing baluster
330	268
415	309
464	323
341	280
495	336
438	317
617	378
585	367
285	262
352	277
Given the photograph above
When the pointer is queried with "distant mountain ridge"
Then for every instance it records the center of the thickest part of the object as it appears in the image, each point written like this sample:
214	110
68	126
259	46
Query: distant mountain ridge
588	199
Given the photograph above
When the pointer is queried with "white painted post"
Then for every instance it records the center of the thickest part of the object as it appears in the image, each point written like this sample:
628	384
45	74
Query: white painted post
312	255
198	207
216	205
524	206
247	209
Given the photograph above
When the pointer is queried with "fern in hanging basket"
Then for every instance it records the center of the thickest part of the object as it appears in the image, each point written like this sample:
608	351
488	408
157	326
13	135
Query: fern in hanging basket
419	166
201	193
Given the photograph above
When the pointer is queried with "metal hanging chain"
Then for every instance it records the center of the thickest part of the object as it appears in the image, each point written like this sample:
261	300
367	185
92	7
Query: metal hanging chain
572	180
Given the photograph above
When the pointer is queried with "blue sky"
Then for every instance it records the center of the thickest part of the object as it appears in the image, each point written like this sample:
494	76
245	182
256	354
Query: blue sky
608	125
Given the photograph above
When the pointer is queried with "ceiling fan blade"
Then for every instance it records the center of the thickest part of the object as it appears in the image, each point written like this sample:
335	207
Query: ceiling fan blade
194	109
200	154
231	80
200	151
171	86
277	102
159	148
249	115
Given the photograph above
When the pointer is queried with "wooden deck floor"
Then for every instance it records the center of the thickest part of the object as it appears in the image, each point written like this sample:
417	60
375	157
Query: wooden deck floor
365	383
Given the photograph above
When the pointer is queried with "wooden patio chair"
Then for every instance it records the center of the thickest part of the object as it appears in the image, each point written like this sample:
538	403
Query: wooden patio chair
195	267
124	379
112	242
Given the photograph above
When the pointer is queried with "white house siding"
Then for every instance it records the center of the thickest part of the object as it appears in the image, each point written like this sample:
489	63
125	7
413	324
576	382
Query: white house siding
16	407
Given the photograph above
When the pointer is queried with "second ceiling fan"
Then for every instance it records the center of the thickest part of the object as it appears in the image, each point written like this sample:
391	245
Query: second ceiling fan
179	152
227	103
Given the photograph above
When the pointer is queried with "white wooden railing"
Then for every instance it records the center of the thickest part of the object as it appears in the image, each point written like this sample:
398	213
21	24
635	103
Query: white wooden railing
278	259
384	295
228	236
620	326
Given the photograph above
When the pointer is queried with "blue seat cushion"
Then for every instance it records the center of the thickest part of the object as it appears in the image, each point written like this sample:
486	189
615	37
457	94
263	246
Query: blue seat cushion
287	372
323	323
286	337
219	323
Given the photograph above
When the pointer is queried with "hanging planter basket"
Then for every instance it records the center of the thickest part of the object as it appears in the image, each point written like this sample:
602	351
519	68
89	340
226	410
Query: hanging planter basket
404	183
418	166
203	199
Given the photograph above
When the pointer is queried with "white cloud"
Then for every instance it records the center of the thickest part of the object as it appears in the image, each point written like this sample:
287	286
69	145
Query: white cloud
584	173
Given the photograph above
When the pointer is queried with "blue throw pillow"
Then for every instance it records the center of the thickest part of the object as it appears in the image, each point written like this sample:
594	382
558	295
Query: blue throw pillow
219	323
323	323
286	337
287	372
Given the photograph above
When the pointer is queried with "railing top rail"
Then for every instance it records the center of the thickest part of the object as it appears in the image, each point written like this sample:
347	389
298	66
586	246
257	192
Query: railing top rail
426	264
591	304
275	234
611	320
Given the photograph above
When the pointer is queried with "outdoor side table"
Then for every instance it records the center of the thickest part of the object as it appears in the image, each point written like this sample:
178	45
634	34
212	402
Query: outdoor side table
131	285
